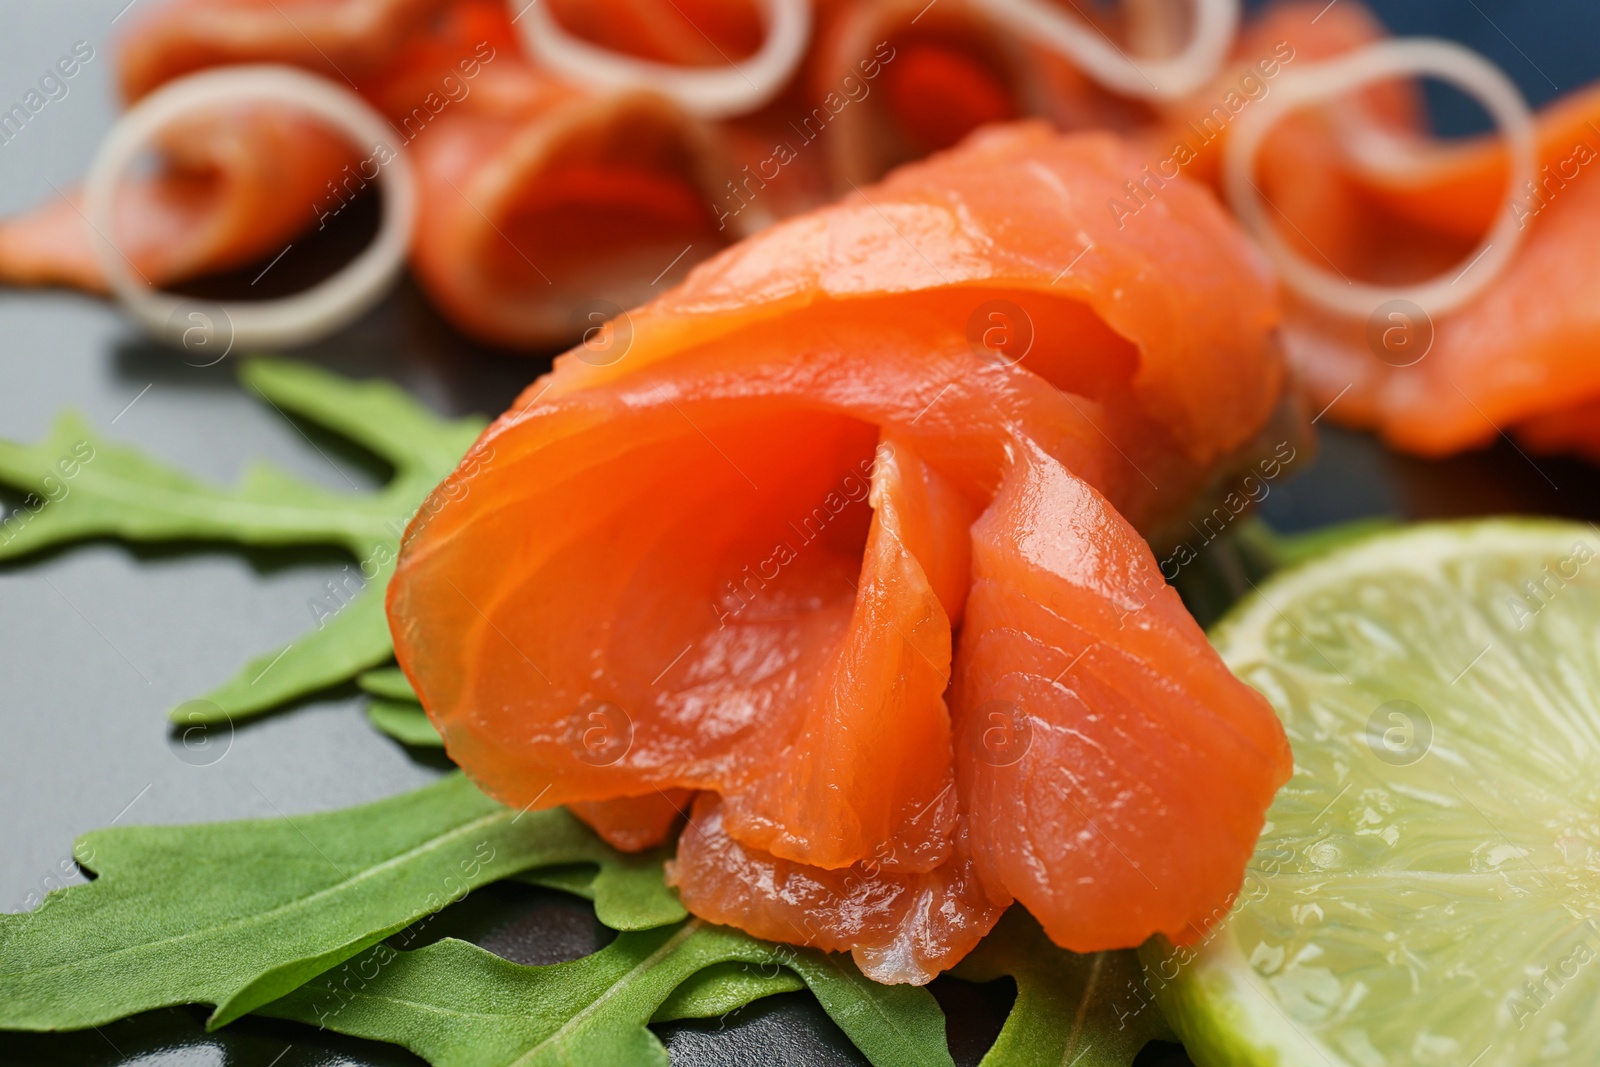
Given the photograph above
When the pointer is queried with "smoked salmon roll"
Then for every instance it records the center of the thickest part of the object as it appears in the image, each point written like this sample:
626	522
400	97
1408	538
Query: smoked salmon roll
1356	185
843	534
542	202
538	201
233	184
1520	354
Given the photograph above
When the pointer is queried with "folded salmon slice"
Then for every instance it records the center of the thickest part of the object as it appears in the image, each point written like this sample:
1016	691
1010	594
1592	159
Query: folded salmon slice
1087	706
738	550
899	927
537	202
1519	354
687	33
868	764
891	82
633	824
345	40
235	186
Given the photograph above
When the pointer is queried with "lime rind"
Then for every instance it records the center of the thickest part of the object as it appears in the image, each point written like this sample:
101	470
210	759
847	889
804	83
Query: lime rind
1432	542
1220	1011
1427	888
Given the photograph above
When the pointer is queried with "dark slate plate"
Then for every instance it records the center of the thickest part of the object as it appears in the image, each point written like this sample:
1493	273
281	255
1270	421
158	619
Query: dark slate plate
99	640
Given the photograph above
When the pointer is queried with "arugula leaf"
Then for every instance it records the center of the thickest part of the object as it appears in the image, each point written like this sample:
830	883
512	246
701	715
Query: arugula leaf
575	878
115	491
724	987
406	723
458	1006
389	683
1087	1010
627	889
236	914
890	1024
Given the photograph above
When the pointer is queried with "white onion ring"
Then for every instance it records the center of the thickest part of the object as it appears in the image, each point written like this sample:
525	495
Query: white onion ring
292	320
1444	60
1171	78
712	93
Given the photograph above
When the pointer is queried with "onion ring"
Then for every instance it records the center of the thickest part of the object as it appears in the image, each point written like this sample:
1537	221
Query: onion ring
292	320
713	93
1445	60
1171	78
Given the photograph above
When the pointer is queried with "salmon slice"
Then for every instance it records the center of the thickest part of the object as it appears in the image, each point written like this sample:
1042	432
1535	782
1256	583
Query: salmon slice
634	824
876	729
892	82
900	79
733	550
1514	356
538	203
344	40
776	169
900	928
233	186
1086	697
686	33
531	214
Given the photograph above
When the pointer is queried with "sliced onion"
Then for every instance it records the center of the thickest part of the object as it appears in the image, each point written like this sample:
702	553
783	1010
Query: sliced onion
293	320
1444	60
712	93
1170	78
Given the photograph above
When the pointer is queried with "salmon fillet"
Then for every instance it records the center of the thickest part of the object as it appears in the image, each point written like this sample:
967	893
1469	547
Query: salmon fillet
804	519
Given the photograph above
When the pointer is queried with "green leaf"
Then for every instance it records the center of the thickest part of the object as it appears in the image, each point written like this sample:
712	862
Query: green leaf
628	890
724	987
575	878
349	642
890	1024
406	723
389	683
1086	1010
81	486
458	1006
237	914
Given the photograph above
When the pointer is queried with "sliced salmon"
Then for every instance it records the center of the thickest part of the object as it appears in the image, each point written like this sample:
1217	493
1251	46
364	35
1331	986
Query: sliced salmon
634	824
235	186
900	928
731	548
687	33
1515	354
1519	353
231	186
344	40
893	81
539	203
1086	696
867	765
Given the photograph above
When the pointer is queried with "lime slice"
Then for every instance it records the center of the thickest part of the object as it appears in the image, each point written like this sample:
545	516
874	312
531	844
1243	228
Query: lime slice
1427	886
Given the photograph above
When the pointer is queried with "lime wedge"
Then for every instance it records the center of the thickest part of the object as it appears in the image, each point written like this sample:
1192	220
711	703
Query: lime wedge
1427	887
